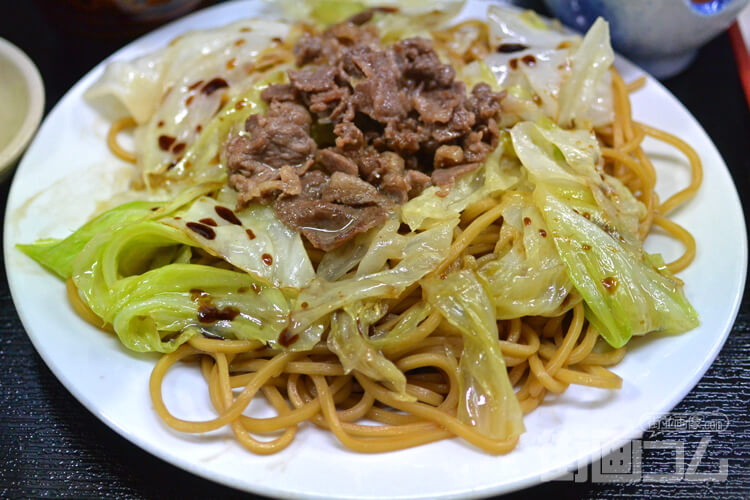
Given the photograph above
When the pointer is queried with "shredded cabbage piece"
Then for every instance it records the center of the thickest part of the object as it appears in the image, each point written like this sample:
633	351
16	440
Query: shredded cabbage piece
488	400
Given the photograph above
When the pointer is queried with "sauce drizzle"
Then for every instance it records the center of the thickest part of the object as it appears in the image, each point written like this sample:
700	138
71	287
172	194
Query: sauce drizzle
214	85
227	215
202	230
286	338
209	313
165	142
508	48
610	284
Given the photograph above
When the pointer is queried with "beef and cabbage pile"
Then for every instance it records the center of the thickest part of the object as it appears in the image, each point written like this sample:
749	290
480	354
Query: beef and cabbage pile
359	129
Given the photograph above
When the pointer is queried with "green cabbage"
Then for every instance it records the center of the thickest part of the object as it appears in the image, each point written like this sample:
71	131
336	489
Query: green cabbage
499	172
527	278
58	255
569	78
414	255
590	64
274	254
593	220
135	273
488	403
627	292
348	339
138	278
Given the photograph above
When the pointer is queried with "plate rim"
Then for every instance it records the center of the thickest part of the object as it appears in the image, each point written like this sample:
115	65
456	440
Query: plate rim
231	481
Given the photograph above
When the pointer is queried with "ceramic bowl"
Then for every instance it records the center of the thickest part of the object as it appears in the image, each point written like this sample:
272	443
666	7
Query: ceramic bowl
21	104
662	36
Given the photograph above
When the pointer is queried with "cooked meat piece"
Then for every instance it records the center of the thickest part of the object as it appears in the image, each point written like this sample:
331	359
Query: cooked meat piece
351	190
393	176
399	119
404	136
419	62
475	147
368	161
417	181
327	225
348	136
321	102
436	106
448	156
307	49
278	92
380	95
361	18
313	183
446	177
280	137
334	161
316	80
290	182
485	103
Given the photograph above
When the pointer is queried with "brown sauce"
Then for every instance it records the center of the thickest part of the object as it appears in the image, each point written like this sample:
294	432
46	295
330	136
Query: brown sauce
286	338
610	284
214	85
165	142
227	214
202	230
508	48
209	313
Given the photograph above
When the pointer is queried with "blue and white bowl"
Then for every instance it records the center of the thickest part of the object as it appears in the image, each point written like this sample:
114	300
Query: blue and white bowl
662	36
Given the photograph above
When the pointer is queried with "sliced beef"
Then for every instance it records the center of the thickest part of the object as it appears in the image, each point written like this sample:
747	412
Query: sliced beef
437	106
313	80
446	177
331	211
448	156
280	137
417	181
279	92
380	95
348	136
351	190
485	103
419	62
327	225
390	122
334	161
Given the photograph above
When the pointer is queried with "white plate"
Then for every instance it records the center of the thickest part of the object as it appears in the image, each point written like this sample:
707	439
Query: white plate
68	169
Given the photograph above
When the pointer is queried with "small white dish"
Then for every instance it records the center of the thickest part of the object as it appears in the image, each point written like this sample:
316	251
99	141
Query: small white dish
21	103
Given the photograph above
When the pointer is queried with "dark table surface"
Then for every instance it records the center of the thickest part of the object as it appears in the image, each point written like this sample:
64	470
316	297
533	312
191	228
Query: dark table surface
51	446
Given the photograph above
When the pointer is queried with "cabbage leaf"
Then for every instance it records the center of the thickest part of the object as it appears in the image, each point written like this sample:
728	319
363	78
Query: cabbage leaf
432	206
260	244
527	277
488	401
419	254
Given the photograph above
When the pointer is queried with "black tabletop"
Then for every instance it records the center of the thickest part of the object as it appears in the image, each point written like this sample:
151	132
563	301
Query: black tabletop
51	446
